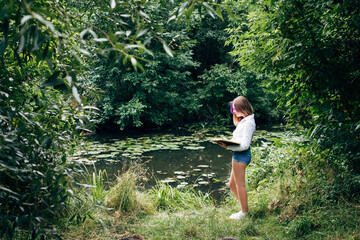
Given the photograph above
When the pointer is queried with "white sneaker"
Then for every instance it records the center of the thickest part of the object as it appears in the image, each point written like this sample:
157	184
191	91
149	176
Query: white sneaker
238	215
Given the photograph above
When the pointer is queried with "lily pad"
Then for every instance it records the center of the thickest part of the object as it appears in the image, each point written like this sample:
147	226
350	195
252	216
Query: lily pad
104	156
168	180
203	183
197	170
180	177
93	152
207	175
194	148
203	166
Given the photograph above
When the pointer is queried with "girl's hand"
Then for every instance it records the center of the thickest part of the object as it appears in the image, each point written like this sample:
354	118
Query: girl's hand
223	145
236	119
220	143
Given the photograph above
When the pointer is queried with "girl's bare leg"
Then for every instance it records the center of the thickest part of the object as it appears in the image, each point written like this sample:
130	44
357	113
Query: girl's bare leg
237	184
232	185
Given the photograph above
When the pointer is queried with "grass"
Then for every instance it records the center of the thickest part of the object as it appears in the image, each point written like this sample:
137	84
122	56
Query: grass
97	181
287	198
168	198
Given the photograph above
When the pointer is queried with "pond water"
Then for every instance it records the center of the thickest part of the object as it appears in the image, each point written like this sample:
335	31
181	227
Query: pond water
187	159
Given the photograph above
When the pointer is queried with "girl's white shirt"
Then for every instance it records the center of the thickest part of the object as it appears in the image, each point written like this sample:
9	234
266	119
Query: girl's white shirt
243	133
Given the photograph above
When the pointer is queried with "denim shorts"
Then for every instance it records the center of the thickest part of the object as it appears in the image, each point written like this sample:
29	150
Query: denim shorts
243	156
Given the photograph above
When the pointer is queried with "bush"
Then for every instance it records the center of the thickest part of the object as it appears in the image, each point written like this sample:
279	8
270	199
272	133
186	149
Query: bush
37	130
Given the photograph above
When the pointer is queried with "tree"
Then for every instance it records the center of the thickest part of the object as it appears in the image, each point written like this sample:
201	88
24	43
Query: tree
312	49
44	48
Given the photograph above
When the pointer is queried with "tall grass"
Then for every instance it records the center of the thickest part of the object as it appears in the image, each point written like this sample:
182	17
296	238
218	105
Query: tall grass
168	198
96	181
125	196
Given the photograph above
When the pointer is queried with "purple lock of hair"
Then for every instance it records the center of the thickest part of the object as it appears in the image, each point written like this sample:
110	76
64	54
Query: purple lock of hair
232	107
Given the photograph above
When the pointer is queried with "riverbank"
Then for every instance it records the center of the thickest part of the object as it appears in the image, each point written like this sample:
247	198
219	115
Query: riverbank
293	194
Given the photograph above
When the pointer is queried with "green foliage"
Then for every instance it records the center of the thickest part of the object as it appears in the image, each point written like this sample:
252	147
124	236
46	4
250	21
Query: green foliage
37	130
301	226
312	50
195	84
162	94
220	85
158	96
172	199
44	47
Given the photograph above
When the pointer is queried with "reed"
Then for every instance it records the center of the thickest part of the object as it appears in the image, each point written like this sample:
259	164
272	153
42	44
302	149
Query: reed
96	180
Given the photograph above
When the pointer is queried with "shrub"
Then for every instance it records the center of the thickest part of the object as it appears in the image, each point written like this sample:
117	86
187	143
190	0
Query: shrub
37	130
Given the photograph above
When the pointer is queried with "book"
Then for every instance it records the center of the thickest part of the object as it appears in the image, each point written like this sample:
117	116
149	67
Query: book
227	142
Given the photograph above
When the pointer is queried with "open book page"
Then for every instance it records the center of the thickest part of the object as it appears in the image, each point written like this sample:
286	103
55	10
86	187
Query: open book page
227	142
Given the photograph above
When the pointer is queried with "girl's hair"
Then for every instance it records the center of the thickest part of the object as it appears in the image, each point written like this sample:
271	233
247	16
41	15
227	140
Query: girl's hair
243	105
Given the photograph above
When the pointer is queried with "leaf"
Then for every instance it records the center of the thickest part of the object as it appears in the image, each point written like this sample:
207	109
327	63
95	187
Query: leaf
182	7
171	18
189	11
22	43
140	47
142	32
76	94
112	4
69	80
83	51
25	19
103	207
42	20
134	62
167	49
100	39
358	126
86	185
218	11
229	11
47	142
144	14
91	107
85	31
8	190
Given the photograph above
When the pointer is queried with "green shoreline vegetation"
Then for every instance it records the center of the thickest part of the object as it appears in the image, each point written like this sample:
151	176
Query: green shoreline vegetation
293	194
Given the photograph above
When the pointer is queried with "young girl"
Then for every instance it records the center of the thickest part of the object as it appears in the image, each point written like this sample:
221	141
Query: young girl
244	121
